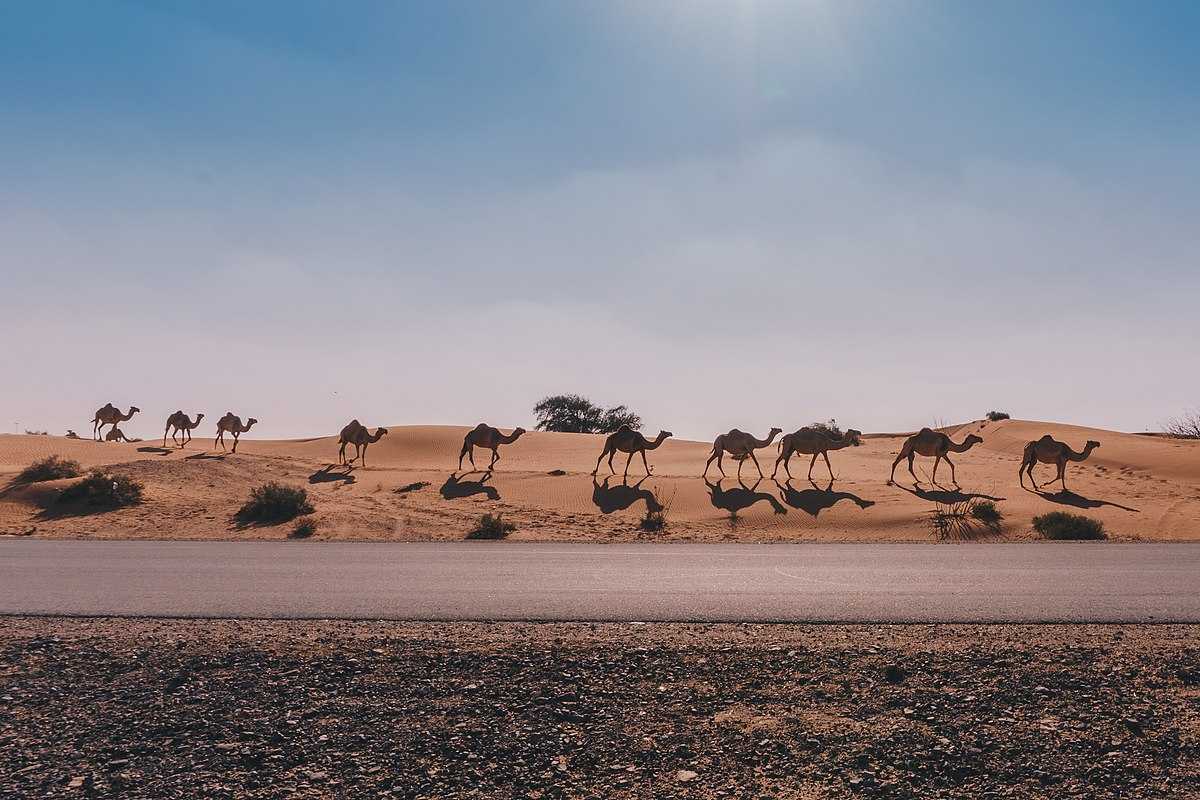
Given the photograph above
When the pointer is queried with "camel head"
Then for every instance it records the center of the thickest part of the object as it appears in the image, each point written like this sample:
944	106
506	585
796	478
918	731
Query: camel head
518	431
1092	444
199	417
250	422
380	433
133	410
774	432
853	436
972	440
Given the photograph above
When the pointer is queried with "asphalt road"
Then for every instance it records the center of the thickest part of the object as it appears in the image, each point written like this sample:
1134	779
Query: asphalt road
1044	582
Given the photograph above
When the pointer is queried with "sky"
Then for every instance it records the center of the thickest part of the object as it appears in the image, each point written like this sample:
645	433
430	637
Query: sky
746	213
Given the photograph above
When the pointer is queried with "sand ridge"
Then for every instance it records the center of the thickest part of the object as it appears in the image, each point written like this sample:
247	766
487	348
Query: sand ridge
1141	487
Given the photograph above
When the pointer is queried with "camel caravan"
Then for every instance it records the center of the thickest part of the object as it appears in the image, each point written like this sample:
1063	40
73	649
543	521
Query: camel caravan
814	440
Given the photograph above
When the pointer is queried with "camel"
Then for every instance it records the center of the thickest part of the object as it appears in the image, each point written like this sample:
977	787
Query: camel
355	433
180	422
487	437
115	434
627	440
740	446
233	424
935	444
1049	450
818	442
110	415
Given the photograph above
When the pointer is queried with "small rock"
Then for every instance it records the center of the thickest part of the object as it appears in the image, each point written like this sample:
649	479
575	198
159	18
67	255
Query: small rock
686	776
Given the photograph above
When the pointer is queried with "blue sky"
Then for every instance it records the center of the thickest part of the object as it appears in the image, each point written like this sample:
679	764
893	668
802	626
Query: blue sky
747	213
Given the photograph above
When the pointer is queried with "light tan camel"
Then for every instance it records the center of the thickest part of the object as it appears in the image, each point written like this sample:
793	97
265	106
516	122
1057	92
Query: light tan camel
814	441
1049	450
930	443
110	415
233	424
489	438
740	446
627	440
356	434
180	422
115	434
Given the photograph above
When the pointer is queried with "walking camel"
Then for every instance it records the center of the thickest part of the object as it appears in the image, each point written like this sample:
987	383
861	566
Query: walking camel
489	438
935	444
814	441
355	433
740	446
181	424
110	415
1049	450
233	424
627	440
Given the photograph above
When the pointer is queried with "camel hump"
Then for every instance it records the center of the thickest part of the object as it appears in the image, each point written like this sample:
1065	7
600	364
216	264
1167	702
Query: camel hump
926	430
1046	438
624	428
483	426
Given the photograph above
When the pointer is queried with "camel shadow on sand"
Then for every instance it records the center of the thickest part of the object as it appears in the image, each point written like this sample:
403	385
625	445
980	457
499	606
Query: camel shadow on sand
1069	498
455	487
946	497
205	457
740	497
162	451
333	473
815	500
620	497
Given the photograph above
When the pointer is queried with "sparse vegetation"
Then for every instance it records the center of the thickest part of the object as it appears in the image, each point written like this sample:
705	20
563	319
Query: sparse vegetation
996	416
558	473
102	490
274	502
305	528
36	433
967	519
1061	525
572	413
412	487
653	521
492	526
1186	426
51	468
830	426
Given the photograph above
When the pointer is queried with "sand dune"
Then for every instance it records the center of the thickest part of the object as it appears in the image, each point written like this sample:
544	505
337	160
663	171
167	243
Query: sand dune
1141	487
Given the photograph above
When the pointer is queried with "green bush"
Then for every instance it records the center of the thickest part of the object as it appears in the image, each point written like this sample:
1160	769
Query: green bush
304	528
274	502
52	468
996	416
1061	525
492	526
102	490
986	512
966	519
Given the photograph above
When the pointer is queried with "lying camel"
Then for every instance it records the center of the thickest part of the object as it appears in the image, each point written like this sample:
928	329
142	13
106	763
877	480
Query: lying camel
814	441
115	434
110	415
740	446
627	440
233	424
356	434
935	444
489	438
179	423
1049	450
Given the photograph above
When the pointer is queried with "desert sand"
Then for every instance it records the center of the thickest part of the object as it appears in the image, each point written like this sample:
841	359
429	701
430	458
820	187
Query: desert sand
1141	487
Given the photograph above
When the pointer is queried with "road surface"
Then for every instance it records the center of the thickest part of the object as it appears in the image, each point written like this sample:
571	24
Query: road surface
1042	582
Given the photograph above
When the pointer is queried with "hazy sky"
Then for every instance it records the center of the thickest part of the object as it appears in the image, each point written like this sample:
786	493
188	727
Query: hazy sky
741	213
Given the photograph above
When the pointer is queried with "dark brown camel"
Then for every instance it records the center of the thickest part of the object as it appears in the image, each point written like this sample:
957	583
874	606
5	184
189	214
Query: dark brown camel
488	438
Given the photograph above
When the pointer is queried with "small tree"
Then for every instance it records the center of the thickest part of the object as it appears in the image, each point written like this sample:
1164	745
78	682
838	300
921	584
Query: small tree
572	413
1184	427
996	416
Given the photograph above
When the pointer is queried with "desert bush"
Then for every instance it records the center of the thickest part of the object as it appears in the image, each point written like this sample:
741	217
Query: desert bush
557	473
1184	427
36	433
831	427
966	519
653	521
571	413
102	490
996	416
305	528
275	502
51	468
492	526
1061	525
412	487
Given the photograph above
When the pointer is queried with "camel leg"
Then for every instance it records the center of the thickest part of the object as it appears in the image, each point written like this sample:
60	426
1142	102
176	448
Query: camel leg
495	458
627	463
461	453
899	458
708	464
612	470
953	477
936	460
810	465
165	436
598	460
779	458
187	437
741	464
1036	488
827	465
236	436
916	480
1062	475
220	440
756	466
644	462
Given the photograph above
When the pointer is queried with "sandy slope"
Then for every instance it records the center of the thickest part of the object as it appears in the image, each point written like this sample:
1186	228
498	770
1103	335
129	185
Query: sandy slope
1141	487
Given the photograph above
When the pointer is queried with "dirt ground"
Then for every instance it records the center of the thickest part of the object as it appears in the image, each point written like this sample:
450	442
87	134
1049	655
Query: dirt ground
143	708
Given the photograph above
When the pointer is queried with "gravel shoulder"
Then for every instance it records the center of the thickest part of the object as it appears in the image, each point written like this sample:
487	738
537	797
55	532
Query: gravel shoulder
213	708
